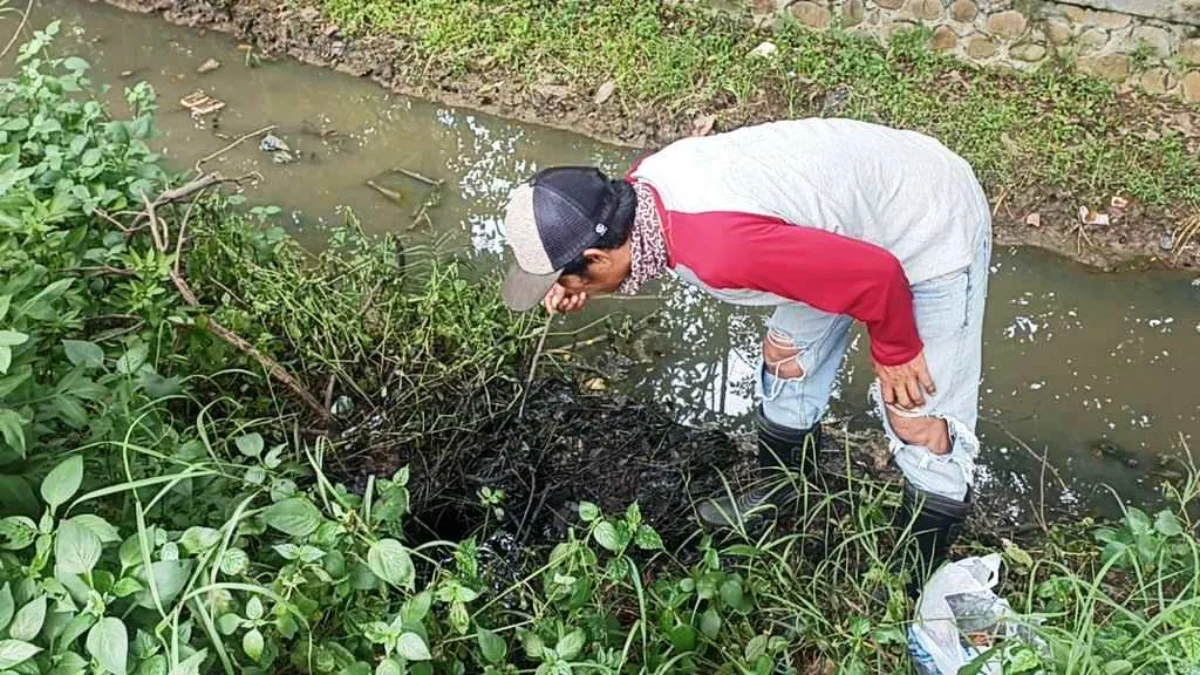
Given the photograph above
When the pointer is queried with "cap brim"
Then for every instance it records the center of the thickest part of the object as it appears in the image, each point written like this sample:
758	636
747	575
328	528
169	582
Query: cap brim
524	290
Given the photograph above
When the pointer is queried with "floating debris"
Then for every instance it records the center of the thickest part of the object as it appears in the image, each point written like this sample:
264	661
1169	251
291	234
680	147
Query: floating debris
1034	219
703	125
200	103
208	66
273	143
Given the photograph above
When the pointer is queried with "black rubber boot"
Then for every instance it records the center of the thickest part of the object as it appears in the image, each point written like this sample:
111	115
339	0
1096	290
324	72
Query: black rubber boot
779	448
937	524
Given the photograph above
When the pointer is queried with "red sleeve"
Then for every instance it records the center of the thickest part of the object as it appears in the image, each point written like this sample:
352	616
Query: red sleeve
828	271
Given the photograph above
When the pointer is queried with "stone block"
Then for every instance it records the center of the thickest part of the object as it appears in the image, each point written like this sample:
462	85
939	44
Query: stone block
1109	20
944	39
963	11
1157	81
923	10
1189	51
811	14
1028	52
981	47
1189	87
1008	25
853	12
890	4
1159	40
1092	40
1058	31
1114	67
1075	14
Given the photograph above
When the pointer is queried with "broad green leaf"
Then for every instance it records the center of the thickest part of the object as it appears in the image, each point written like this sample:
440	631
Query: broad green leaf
1121	667
17	497
91	157
250	445
731	593
5	359
412	647
126	587
1167	524
1137	520
71	663
252	644
295	516
229	623
133	359
10	383
197	539
756	647
254	608
234	562
683	638
76	548
84	354
108	643
606	535
389	666
6	606
170	576
11	338
99	526
15	652
75	63
63	481
710	623
533	645
588	511
388	559
38	305
647	539
12	428
417	607
29	619
571	644
78	625
492	646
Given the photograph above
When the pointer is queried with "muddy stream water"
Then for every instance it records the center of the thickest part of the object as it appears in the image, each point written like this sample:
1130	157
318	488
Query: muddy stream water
1101	372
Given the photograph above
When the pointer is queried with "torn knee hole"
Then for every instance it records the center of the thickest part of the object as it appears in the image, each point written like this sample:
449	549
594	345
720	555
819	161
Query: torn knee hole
781	355
931	433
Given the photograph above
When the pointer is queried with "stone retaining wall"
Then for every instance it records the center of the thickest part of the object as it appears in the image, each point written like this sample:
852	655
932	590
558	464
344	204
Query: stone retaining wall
1153	44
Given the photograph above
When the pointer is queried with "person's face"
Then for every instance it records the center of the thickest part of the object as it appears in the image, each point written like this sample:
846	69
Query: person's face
607	268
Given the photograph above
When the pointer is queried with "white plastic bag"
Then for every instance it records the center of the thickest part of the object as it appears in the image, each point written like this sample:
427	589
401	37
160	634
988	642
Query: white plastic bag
958	600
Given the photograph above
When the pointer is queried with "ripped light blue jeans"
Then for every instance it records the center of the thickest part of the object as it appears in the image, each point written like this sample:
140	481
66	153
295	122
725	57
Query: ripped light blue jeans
949	312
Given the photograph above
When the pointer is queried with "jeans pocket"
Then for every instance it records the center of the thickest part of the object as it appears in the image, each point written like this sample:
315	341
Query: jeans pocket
940	305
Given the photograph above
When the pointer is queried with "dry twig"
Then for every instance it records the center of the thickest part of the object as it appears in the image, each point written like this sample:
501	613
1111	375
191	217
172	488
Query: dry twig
20	27
236	142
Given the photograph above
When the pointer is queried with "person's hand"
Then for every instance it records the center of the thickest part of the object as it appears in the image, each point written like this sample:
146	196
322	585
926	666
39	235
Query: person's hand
905	385
559	300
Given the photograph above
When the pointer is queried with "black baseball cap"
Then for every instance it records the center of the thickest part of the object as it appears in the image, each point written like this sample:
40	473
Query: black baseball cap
550	220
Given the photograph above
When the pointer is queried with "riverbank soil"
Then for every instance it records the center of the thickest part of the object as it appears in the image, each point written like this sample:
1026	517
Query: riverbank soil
1107	177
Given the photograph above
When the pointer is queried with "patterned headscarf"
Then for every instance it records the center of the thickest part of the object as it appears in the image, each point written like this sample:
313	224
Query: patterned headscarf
648	254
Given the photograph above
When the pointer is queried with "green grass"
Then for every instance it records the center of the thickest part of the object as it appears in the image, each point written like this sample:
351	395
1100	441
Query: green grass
1053	129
